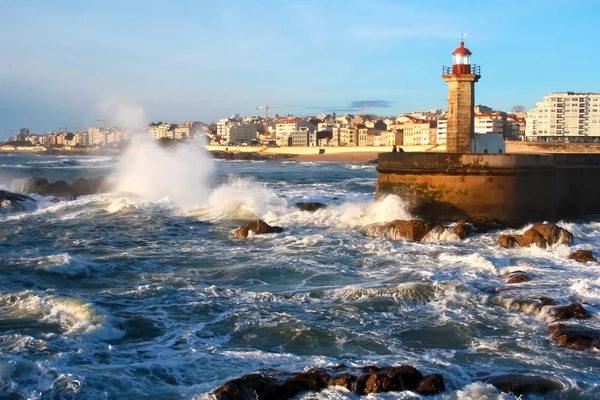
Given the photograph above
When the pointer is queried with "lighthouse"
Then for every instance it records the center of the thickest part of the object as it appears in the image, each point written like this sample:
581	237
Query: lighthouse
461	78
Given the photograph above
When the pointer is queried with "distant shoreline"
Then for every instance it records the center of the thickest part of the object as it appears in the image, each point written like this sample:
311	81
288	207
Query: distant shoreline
330	154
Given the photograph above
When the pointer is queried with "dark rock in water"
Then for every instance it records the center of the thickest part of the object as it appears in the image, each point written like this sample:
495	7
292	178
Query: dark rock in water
380	383
462	230
572	311
507	241
28	185
80	187
313	381
13	202
575	337
583	256
250	386
529	237
375	380
58	189
345	380
516	277
310	206
412	231
431	385
86	186
553	234
407	376
523	385
258	227
542	235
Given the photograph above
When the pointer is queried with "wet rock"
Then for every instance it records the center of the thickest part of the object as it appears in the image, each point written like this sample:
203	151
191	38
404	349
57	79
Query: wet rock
13	202
411	231
372	380
431	385
310	206
572	311
542	235
86	186
516	277
583	256
462	230
408	377
507	241
28	185
523	385
575	337
529	237
340	367
246	387
380	383
345	380
258	227
313	381
553	234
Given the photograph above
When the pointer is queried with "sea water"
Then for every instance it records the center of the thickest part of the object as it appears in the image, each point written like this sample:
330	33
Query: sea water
143	292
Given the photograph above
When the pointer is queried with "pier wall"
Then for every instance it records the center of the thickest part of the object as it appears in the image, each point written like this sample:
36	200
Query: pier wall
510	189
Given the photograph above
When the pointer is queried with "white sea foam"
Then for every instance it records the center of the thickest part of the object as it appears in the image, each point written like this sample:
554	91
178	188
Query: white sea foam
74	316
180	174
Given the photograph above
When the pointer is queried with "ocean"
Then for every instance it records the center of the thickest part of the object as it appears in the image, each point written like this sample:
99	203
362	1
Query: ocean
143	292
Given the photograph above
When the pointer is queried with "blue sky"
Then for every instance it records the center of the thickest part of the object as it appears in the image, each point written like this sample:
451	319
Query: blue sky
62	61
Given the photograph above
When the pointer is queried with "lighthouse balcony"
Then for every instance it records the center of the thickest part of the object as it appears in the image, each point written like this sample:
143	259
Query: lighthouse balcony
461	69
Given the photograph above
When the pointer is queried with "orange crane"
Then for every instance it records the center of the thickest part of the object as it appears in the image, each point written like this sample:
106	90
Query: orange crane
267	108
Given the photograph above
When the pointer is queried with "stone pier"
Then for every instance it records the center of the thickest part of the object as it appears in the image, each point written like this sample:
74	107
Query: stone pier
510	189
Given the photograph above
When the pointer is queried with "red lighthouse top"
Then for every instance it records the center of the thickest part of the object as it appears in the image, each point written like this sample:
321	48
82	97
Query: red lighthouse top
462	50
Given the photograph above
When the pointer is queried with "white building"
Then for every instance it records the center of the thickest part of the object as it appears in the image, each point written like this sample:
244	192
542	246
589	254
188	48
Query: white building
442	131
565	116
286	127
240	133
490	122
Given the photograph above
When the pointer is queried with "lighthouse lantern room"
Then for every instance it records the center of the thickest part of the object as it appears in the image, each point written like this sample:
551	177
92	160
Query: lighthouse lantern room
461	78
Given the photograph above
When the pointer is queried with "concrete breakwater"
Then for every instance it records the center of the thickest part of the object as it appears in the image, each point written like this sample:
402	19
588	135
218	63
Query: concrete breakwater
510	189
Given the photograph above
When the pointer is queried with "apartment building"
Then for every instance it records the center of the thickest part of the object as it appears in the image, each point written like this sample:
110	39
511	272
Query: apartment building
285	127
565	116
419	132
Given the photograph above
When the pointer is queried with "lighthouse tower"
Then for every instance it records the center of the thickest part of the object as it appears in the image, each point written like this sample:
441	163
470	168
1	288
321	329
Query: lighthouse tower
461	78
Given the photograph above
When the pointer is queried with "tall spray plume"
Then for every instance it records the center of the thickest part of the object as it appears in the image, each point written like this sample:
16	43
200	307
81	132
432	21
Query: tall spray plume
180	174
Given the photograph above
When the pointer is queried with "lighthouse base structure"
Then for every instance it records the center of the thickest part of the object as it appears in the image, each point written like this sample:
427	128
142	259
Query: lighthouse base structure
509	189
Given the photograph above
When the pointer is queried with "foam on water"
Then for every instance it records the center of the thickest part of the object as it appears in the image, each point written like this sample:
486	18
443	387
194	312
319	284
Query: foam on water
180	174
74	316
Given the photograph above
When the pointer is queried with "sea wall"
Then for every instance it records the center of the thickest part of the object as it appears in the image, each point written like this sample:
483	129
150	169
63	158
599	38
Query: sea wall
510	189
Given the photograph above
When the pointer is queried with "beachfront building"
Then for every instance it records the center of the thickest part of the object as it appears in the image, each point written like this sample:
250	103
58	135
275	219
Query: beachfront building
565	117
442	130
419	132
284	128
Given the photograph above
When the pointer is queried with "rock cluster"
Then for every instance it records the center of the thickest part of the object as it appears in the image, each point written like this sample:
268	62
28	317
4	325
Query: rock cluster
575	337
542	235
416	230
368	380
258	227
79	187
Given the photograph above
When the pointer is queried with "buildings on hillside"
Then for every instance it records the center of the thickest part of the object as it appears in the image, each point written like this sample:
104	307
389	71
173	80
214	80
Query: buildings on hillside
565	116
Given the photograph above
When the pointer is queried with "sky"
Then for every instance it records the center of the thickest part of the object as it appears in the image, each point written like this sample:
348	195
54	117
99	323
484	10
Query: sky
78	63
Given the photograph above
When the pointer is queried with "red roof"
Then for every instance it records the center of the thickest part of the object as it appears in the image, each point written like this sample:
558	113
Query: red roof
462	50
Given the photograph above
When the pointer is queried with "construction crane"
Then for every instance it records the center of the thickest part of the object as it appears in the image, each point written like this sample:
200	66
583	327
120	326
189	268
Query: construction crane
267	108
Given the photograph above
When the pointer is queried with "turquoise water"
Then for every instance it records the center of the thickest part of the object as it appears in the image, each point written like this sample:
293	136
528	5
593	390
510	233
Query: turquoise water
133	296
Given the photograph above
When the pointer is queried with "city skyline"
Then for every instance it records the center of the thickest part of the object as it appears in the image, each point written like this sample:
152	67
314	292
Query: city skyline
63	63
